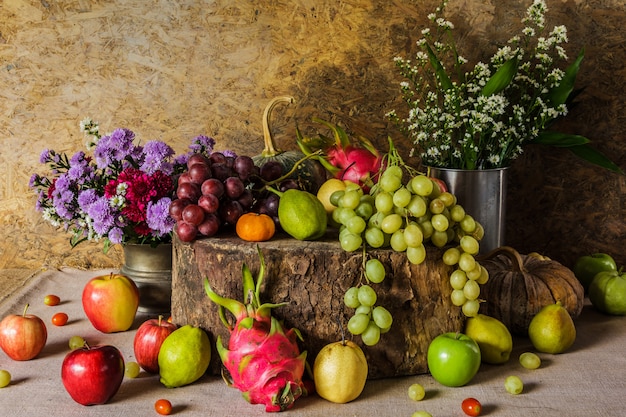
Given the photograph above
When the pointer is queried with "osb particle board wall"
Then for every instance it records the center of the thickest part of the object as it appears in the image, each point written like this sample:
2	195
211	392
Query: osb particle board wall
173	70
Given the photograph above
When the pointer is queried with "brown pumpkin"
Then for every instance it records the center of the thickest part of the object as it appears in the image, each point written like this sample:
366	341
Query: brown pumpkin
520	285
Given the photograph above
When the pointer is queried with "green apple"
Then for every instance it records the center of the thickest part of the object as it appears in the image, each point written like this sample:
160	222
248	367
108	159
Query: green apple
453	359
607	292
586	267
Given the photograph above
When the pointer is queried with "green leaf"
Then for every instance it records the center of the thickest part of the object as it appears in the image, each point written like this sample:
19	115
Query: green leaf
595	157
559	94
341	137
501	79
444	80
562	140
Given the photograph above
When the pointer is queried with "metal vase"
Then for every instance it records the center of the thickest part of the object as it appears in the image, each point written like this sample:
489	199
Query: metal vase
482	193
151	270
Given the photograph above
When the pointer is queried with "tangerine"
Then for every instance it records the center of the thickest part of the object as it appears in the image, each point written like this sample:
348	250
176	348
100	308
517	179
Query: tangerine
255	227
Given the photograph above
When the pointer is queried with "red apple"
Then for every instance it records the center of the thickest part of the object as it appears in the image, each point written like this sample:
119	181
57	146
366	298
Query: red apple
22	337
92	375
110	302
148	339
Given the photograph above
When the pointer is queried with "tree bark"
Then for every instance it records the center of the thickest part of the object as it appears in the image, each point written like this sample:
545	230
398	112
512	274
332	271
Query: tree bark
312	277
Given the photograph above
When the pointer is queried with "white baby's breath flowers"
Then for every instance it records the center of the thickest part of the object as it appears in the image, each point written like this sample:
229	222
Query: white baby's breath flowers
482	116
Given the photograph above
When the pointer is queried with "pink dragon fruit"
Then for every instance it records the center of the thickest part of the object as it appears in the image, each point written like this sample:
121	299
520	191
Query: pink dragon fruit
262	359
360	164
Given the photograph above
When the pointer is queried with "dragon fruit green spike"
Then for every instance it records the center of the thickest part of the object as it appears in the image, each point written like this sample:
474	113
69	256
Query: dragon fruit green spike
262	358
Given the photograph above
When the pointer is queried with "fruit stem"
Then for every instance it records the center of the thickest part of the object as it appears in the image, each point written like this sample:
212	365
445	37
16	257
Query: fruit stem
270	148
25	308
517	263
160	319
293	169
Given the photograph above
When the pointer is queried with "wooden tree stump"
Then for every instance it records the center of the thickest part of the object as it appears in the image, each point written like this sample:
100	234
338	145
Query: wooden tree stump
312	278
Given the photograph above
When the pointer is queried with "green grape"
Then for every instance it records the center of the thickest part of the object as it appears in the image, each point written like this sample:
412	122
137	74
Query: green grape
5	378
451	256
417	207
394	170
413	235
367	295
421	413
457	213
131	369
76	342
529	360
416	255
469	244
427	228
371	335
479	233
448	198
385	330
391	223
376	220
439	238
513	385
374	237
382	317
384	202
402	197
358	323
335	197
440	222
375	271
468	224
345	214
458	298
353	186
350	199
467	262
365	209
401	211
436	206
389	183
361	309
356	225
337	213
422	185
397	241
351	242
471	290
416	392
484	276
368	199
475	273
351	297
458	279
470	308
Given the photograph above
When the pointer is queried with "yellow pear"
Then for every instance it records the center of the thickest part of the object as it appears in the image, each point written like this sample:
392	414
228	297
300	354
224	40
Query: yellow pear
340	372
492	336
552	329
327	189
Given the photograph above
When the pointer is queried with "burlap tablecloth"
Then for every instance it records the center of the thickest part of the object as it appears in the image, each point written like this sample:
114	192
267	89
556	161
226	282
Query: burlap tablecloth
589	380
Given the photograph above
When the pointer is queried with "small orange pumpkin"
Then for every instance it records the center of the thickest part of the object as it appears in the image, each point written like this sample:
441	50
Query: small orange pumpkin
255	227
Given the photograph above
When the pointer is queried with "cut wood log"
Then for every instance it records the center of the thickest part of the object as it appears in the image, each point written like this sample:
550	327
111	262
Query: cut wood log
312	278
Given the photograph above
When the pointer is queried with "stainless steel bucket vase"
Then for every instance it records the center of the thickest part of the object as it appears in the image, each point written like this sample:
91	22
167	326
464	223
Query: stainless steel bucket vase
151	269
482	193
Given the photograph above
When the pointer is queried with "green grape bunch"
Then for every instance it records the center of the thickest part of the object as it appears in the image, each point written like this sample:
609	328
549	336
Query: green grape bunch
369	320
406	211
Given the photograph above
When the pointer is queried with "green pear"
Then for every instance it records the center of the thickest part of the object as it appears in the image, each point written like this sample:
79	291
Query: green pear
492	336
184	356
